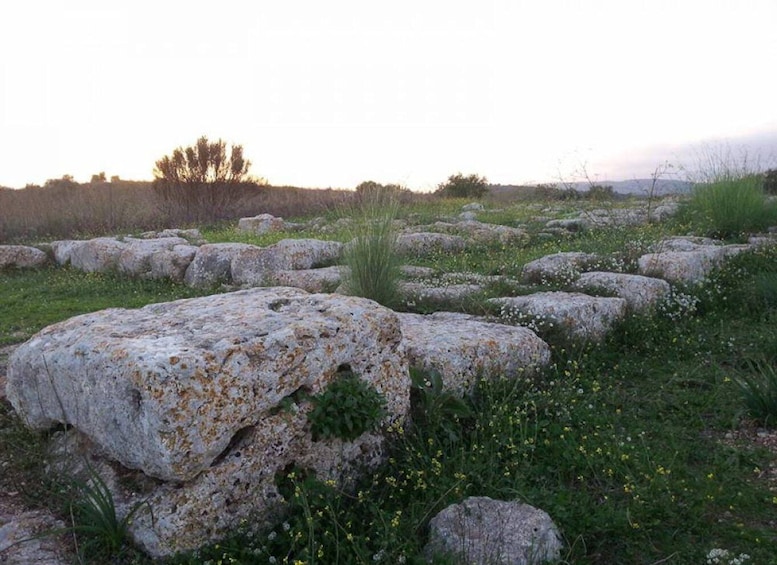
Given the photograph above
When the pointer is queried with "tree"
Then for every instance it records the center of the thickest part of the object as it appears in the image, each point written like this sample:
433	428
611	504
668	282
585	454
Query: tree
200	182
98	178
459	186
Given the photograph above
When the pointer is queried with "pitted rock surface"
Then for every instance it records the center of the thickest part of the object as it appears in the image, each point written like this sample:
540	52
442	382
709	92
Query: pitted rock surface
156	258
639	292
165	388
21	257
483	531
255	267
212	264
463	348
578	316
427	243
92	255
685	267
324	279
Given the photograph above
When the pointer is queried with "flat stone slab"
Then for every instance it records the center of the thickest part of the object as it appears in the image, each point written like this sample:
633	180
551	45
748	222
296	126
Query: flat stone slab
325	279
687	267
562	267
463	348
640	293
165	388
427	243
256	266
212	264
578	316
415	292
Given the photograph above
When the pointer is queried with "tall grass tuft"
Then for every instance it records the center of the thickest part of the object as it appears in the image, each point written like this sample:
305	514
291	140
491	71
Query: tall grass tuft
729	207
371	255
759	390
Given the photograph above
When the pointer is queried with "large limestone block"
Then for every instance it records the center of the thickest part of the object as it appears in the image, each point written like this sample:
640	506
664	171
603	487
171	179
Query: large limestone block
577	316
490	233
559	267
21	257
135	259
92	255
427	243
639	292
436	294
172	263
255	267
683	267
484	531
462	348
212	264
165	388
325	279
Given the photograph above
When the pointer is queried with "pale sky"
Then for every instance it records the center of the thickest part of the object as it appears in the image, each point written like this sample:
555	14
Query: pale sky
332	93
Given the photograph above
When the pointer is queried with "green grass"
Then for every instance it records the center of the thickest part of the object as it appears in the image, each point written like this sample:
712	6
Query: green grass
730	207
622	443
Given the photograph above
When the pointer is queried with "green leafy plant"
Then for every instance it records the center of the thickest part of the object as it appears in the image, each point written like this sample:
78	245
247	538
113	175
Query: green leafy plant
374	267
347	408
435	407
759	390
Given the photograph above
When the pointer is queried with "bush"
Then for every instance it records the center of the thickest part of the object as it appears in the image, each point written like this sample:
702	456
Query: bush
199	182
729	207
459	186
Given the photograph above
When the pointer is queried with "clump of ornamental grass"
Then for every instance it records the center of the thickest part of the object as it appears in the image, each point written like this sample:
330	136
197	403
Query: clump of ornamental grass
729	207
371	254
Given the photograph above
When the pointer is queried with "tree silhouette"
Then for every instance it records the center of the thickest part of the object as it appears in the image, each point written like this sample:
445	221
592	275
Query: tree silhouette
199	182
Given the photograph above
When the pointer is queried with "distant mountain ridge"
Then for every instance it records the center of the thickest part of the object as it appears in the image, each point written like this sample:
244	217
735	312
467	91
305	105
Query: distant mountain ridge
636	187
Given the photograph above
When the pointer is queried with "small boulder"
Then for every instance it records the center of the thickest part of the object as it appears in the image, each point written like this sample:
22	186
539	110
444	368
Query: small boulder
430	294
639	292
577	316
261	224
21	257
463	348
484	531
473	207
427	243
683	267
562	267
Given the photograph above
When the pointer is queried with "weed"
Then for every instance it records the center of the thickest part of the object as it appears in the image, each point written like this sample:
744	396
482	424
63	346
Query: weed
347	408
759	391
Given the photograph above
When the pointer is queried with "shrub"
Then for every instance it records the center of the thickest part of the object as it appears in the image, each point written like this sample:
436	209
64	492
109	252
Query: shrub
371	254
729	207
459	186
200	182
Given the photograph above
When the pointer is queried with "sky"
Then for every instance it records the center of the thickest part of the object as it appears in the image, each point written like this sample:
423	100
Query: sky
333	93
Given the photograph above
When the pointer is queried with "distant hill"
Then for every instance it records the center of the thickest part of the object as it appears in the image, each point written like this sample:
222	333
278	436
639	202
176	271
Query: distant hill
636	187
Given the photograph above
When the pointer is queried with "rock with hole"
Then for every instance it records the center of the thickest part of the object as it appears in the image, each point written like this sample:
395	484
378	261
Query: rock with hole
210	396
